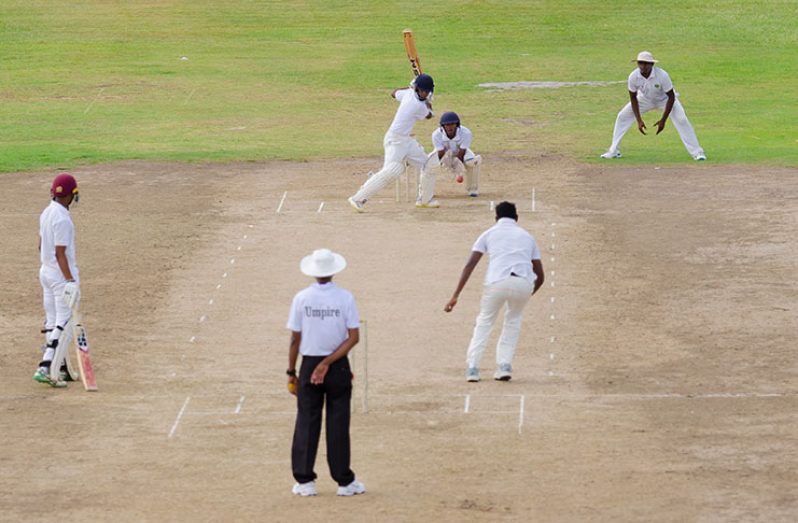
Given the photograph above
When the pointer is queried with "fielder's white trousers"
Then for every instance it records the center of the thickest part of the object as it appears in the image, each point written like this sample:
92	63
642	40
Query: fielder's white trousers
512	293
626	117
398	150
56	312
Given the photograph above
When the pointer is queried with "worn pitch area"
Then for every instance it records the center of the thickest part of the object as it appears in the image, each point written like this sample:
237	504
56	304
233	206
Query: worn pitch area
655	378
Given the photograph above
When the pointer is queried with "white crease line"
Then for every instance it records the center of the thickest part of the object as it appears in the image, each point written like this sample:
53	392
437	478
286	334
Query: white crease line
533	199
551	340
551	356
491	205
95	99
282	201
245	236
552	258
321	206
551	317
553	235
203	318
552	246
521	415
552	299
552	284
210	302
179	415
467	405
191	340
232	261
219	286
224	275
239	248
189	96
240	403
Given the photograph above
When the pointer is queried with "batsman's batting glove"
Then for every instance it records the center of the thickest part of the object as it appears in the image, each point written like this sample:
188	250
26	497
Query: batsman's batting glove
71	293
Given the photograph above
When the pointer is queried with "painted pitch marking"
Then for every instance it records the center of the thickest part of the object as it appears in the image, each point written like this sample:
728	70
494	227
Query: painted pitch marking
189	96
94	100
321	206
179	416
521	414
282	201
238	407
533	199
467	405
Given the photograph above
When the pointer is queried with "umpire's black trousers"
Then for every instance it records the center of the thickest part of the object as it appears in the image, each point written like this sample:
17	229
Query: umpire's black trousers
337	390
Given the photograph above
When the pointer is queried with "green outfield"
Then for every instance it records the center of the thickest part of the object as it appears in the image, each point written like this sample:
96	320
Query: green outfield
98	80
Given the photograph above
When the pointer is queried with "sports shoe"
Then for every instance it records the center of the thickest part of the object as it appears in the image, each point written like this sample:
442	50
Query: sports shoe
42	375
699	157
356	205
504	372
609	155
305	489
473	194
432	204
472	374
353	489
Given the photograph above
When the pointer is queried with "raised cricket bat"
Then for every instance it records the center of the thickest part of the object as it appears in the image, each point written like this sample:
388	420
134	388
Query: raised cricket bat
412	53
82	350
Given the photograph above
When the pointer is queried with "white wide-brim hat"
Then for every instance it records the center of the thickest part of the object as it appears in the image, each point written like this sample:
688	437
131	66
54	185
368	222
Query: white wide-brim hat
646	56
322	263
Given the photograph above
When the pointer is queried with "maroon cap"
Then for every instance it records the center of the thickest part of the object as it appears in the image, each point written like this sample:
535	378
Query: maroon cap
63	185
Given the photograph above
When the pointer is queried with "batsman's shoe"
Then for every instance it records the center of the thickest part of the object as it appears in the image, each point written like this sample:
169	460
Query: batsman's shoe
504	372
699	157
353	489
42	375
356	205
473	194
305	489
609	155
472	374
432	204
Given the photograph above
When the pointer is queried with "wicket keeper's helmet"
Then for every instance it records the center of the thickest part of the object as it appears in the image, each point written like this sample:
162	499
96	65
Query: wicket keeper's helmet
424	82
450	117
63	185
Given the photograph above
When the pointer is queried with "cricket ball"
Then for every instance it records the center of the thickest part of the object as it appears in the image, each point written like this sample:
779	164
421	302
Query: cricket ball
459	178
292	388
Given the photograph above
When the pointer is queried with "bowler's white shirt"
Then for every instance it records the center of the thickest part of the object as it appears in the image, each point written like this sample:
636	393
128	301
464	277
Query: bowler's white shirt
410	110
56	229
511	250
323	313
461	140
653	88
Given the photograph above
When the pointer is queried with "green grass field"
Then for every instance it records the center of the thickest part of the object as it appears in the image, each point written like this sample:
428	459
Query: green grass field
99	80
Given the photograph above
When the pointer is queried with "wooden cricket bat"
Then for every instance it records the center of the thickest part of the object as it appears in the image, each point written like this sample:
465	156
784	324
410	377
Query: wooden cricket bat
412	53
82	350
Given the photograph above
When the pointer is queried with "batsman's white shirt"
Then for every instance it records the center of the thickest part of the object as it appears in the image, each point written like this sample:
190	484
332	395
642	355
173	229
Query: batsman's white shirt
411	109
511	250
56	229
323	314
461	140
652	89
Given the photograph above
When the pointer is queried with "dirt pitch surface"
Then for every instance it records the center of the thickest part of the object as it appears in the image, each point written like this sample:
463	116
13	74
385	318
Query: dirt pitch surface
655	379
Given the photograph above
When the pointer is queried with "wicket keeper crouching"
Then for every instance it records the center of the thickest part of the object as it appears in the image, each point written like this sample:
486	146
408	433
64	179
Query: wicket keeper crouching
325	325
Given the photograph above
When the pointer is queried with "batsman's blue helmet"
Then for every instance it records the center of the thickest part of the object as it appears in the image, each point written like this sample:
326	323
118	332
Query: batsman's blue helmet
424	81
450	117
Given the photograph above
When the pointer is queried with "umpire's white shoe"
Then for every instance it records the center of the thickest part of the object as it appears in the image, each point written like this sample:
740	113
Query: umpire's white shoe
472	374
305	489
353	489
504	372
609	155
699	157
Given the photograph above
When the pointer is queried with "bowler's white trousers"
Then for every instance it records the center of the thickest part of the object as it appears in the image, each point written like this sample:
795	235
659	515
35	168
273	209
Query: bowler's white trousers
398	150
626	117
512	293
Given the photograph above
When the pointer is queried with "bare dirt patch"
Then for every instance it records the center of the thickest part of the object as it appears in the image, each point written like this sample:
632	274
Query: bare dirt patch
655	379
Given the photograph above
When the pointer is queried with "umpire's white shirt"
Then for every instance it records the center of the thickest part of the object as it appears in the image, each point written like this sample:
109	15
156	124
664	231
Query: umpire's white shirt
511	250
410	110
652	89
323	314
56	229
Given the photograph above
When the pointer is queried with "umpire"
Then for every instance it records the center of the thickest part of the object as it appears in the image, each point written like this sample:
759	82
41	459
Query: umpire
324	326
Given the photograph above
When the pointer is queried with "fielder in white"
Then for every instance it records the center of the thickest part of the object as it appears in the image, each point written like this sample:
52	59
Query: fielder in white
400	147
59	272
651	88
514	273
452	142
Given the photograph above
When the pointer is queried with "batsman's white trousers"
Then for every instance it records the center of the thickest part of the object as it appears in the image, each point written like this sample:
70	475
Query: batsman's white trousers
626	117
398	150
56	312
511	293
